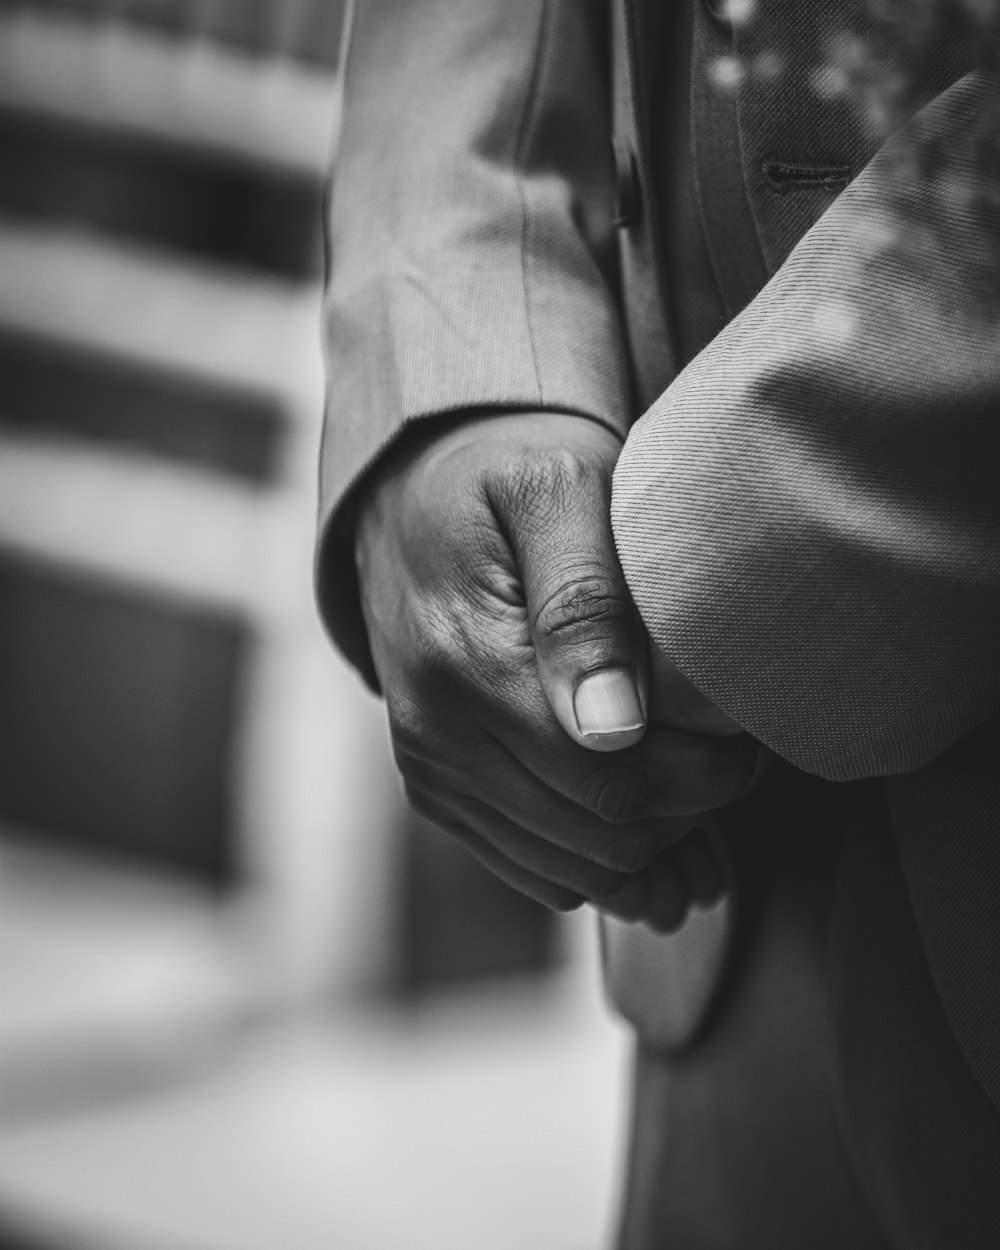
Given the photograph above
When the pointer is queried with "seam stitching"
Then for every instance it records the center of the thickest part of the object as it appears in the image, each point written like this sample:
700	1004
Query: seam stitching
520	145
783	177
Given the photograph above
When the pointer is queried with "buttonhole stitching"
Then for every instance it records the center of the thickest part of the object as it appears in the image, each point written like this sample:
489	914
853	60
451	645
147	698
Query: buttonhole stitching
783	177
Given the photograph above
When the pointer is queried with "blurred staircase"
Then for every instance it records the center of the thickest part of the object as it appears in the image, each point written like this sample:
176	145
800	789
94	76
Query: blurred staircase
165	693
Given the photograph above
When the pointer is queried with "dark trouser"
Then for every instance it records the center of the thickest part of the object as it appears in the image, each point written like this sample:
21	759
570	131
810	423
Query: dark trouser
826	1106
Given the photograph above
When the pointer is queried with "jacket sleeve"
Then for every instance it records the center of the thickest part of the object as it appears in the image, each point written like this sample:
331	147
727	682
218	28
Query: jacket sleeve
809	517
470	235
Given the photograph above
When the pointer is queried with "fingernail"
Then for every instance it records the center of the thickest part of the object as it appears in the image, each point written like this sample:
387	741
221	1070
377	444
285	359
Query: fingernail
607	703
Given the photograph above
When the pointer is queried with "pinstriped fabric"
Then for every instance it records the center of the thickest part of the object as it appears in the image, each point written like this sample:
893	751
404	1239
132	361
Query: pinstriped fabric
470	237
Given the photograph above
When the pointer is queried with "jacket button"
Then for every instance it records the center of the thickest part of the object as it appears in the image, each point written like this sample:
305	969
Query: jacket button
626	183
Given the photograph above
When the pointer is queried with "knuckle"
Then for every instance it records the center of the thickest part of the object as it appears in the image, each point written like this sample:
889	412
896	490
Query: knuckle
409	727
621	853
668	918
562	900
421	757
617	796
430	719
461	656
587	600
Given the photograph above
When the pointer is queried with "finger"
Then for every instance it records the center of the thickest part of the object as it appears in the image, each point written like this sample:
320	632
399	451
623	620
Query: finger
533	853
670	774
631	903
623	895
663	894
534	862
501	799
589	642
670	901
548	893
617	810
513	754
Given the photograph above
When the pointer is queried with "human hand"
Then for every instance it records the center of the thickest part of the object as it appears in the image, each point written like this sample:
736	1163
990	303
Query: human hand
514	665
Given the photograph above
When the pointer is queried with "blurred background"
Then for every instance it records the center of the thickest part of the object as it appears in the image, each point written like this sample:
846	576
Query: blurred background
247	1002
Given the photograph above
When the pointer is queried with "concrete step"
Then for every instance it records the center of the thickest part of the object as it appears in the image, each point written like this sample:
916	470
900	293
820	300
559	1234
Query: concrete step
270	111
493	1122
110	975
303	30
59	388
175	141
135	521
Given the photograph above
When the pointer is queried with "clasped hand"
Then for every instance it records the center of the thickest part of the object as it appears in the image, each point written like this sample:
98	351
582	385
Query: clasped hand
516	672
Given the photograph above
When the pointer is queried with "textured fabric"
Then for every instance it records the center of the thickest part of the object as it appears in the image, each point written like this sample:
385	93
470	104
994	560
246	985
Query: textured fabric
947	818
924	1141
810	523
828	1105
808	518
737	1143
786	114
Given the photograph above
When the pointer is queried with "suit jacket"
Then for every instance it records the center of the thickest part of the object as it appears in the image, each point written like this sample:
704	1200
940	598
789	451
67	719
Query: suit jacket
807	514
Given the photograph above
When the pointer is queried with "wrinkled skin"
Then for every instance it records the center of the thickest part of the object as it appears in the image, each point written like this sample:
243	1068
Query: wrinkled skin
491	590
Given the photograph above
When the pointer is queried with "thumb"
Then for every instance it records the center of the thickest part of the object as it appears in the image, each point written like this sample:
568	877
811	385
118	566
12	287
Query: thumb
589	641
